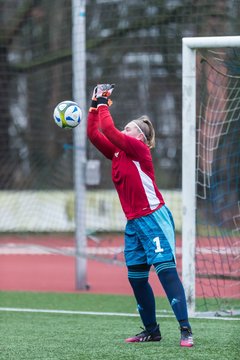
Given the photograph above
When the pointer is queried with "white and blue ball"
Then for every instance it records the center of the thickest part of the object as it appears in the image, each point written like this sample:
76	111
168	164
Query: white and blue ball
67	114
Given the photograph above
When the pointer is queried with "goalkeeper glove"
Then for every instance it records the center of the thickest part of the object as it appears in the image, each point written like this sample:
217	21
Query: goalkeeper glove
103	91
93	105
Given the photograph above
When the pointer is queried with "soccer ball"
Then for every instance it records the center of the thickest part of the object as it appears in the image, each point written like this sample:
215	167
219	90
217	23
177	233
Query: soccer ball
67	114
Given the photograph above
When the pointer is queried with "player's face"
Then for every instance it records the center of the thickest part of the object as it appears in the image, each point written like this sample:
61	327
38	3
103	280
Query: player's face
132	130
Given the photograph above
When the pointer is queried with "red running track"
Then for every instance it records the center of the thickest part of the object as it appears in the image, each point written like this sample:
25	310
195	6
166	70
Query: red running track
56	273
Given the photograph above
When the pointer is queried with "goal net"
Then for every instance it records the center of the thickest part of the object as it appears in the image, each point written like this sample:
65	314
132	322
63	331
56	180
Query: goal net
211	244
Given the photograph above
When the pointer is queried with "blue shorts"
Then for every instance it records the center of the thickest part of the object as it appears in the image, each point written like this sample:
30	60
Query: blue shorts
150	239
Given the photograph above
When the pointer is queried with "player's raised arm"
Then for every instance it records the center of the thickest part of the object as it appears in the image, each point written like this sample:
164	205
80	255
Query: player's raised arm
127	139
93	132
115	136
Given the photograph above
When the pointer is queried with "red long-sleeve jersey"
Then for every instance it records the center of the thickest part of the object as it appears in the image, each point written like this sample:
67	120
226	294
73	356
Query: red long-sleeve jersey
132	166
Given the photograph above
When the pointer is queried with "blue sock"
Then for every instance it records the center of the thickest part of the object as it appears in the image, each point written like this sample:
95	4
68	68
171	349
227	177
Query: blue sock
173	288
144	296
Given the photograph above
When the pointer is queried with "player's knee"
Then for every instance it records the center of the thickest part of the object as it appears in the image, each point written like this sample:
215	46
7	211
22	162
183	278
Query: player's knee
167	266
138	273
139	267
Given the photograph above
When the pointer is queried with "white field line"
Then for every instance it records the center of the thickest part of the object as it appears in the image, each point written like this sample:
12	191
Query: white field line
96	313
13	249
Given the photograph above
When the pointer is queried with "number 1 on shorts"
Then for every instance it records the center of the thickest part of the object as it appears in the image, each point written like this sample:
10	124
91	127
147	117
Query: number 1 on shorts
158	246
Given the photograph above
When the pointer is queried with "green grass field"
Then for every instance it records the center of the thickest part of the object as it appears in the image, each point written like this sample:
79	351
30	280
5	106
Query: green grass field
60	336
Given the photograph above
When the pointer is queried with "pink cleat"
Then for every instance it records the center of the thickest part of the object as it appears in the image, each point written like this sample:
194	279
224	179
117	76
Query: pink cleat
186	337
146	336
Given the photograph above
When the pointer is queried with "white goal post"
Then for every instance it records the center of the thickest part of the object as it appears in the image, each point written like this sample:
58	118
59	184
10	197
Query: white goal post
189	47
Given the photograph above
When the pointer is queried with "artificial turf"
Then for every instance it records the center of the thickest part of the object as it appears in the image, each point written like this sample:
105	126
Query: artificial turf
60	336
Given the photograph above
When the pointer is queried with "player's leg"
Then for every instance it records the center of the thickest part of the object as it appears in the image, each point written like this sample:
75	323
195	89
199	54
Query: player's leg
173	288
138	273
138	278
171	283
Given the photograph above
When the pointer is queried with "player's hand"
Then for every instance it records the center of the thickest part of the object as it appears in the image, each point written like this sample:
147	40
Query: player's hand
94	94
104	90
93	105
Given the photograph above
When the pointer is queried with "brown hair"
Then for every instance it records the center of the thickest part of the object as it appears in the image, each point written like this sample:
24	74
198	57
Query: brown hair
144	123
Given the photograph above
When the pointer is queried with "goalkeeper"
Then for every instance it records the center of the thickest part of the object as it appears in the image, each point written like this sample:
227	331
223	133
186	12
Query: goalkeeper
149	232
